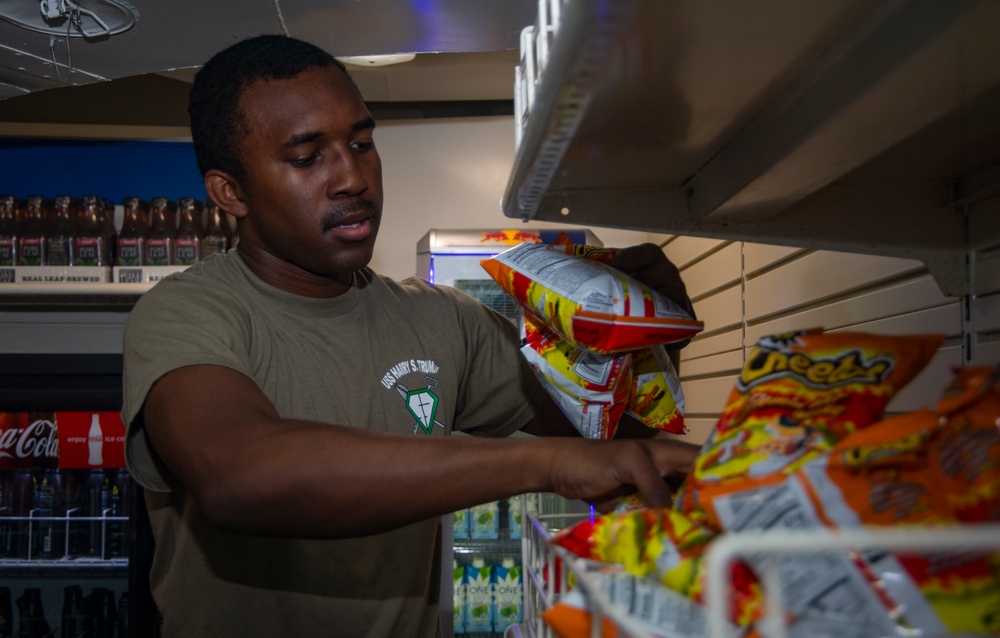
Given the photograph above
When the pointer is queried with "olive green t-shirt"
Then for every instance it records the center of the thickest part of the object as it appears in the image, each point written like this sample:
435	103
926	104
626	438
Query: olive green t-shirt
402	357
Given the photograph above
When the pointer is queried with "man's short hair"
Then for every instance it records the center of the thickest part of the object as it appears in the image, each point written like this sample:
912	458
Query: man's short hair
217	123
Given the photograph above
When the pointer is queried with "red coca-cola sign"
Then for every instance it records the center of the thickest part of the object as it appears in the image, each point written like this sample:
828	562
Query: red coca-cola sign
28	440
61	439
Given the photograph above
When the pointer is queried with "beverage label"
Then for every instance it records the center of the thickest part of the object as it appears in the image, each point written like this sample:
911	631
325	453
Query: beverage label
158	252
507	595
130	252
31	251
186	251
514	518
28	440
459	604
59	251
89	251
8	252
484	521
479	598
460	524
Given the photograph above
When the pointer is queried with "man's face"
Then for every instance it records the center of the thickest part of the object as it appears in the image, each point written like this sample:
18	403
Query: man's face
313	186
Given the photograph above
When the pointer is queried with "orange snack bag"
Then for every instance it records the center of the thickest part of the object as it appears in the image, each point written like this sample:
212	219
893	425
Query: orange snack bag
588	303
798	395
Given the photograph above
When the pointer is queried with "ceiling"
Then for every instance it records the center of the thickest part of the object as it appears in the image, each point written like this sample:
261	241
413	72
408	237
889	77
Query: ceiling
467	52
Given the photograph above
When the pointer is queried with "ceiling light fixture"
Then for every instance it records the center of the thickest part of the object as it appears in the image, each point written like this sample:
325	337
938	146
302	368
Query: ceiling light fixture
377	60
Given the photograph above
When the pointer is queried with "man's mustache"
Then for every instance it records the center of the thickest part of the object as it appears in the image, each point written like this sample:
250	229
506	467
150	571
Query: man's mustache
343	210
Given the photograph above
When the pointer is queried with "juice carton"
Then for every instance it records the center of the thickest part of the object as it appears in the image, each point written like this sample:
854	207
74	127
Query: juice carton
460	524
485	521
507	594
478	596
460	609
514	518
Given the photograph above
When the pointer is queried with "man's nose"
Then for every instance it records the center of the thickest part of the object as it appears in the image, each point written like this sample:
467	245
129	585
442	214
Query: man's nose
346	176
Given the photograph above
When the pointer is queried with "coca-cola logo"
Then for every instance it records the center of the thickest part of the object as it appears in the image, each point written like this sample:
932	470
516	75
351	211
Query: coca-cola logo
36	440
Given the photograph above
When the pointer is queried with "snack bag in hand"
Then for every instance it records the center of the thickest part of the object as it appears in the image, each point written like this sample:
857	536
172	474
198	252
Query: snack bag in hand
591	389
588	303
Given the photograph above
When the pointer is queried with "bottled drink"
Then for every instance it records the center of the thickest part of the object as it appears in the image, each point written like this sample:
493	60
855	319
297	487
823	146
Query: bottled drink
6	614
22	502
6	511
90	241
187	242
117	501
98	501
31	616
101	604
59	240
8	231
75	497
49	507
216	231
74	613
162	230
31	243
107	213
121	618
132	238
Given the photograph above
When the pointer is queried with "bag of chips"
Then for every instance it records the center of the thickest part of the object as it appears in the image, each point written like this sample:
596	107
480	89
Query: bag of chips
798	395
590	304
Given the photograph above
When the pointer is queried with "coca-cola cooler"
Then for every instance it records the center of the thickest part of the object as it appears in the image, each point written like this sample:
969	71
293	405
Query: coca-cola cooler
75	544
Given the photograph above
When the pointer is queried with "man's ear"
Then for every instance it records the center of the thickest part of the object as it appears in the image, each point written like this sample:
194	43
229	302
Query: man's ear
226	192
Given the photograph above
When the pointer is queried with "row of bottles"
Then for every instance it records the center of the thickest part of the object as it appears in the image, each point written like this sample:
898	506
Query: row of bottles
97	615
488	595
70	232
52	514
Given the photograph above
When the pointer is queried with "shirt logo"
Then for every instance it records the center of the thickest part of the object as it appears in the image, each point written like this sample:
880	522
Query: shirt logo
422	402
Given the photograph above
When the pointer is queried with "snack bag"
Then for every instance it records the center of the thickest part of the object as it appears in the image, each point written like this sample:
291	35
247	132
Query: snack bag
588	303
591	389
649	606
656	398
663	545
924	468
798	395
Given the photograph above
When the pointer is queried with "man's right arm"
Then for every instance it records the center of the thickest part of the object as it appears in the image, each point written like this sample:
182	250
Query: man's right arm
239	458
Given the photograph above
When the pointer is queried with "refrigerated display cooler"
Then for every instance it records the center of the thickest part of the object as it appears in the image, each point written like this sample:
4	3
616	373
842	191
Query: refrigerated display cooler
75	542
483	542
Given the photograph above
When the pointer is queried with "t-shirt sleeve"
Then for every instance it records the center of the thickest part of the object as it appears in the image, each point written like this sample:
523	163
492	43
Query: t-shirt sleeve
499	393
173	325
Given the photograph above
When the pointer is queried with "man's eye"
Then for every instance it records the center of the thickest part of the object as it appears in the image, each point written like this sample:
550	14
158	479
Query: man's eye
303	162
364	146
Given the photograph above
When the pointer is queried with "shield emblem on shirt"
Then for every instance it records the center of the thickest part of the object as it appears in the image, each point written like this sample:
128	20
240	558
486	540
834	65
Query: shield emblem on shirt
422	404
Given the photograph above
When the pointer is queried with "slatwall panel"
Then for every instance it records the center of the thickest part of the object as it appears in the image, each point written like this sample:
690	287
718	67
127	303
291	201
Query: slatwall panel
744	291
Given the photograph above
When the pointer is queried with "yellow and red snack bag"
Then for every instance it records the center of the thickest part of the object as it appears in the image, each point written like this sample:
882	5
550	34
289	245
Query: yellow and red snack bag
798	395
590	304
656	398
663	545
591	389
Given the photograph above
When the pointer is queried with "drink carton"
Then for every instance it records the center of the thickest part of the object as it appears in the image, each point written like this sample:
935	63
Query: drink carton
460	524
507	594
485	521
478	596
460	608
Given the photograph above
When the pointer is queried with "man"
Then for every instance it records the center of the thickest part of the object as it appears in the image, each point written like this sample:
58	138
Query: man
289	493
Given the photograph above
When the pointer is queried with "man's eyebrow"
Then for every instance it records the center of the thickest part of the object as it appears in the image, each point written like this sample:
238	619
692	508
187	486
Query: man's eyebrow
304	138
301	138
361	125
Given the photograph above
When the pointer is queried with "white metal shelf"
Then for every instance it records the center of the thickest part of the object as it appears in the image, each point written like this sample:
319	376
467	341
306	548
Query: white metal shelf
870	126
